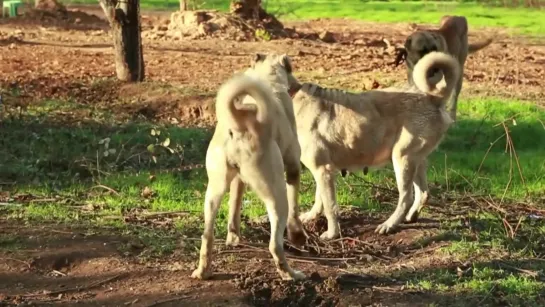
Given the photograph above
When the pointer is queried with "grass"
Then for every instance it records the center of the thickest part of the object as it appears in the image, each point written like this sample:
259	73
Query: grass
494	282
107	171
122	156
81	161
519	19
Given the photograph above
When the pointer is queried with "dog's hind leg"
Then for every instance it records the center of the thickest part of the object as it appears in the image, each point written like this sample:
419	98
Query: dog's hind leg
296	232
236	192
405	170
266	179
218	184
420	192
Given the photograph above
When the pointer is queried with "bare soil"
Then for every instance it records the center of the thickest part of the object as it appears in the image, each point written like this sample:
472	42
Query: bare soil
72	58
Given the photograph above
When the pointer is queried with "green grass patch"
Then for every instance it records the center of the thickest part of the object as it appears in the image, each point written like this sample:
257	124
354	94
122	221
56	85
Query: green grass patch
491	283
49	160
103	173
524	20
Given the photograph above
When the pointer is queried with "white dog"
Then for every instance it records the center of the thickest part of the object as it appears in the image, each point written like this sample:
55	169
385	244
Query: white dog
254	142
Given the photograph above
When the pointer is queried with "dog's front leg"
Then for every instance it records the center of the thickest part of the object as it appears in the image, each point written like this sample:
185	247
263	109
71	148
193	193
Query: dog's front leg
405	170
236	192
217	187
325	183
316	209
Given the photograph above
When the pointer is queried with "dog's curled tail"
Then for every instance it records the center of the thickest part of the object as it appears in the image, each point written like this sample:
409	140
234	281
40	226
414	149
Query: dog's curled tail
432	62
244	117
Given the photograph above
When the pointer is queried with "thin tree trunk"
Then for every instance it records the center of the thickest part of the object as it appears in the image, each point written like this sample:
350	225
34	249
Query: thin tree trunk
183	5
124	20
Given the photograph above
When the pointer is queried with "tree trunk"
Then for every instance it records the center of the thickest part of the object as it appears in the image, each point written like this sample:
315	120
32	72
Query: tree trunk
183	5
50	6
246	9
125	24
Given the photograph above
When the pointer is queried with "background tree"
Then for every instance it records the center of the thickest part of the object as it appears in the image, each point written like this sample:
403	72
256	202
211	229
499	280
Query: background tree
183	5
53	6
246	9
124	18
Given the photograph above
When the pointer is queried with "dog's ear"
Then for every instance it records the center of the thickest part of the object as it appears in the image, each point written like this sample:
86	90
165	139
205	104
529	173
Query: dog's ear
408	43
401	56
286	62
258	57
456	24
443	20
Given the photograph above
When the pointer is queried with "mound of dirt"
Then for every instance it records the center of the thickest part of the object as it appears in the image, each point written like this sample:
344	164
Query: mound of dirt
271	291
59	16
205	24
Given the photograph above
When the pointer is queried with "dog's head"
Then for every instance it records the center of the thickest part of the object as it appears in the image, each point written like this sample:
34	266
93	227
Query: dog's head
421	43
454	24
273	67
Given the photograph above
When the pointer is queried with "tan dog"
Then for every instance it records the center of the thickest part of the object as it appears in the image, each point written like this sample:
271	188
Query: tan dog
340	130
451	38
253	143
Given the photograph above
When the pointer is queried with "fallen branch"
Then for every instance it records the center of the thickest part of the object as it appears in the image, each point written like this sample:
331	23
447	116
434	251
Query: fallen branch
168	300
165	214
17	260
105	188
524	271
319	258
357	241
77	288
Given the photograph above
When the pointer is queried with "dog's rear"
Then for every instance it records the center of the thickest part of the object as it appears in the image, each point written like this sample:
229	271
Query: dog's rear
242	118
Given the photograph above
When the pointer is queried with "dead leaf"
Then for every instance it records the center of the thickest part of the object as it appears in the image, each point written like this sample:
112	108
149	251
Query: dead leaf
147	192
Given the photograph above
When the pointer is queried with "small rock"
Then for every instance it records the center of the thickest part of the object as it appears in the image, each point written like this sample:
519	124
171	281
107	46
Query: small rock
327	37
315	276
78	20
359	42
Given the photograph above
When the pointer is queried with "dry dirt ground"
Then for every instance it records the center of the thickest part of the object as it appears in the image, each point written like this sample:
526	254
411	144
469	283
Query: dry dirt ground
82	266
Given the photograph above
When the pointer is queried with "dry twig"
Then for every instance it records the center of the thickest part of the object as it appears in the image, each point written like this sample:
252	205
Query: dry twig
77	288
168	300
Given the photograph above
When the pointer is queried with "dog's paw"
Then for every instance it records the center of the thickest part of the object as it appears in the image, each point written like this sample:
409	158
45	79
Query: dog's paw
200	273
297	237
293	275
411	217
330	235
232	239
298	275
385	228
308	217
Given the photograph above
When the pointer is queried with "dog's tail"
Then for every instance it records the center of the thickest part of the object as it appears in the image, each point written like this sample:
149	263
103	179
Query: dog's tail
478	46
432	62
244	117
